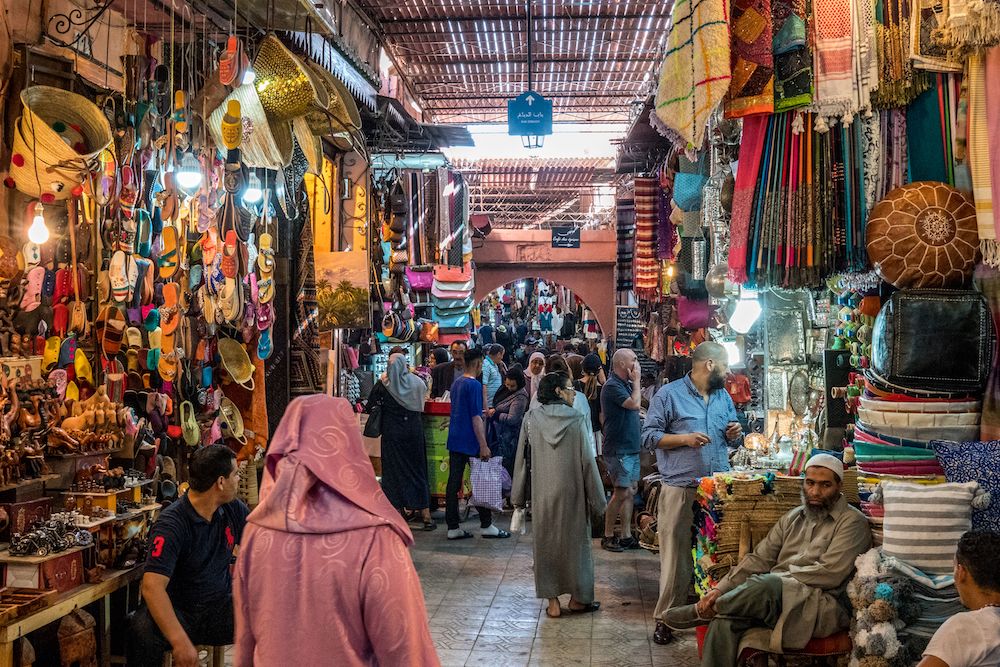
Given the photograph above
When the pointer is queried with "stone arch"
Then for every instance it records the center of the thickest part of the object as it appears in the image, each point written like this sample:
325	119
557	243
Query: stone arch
595	285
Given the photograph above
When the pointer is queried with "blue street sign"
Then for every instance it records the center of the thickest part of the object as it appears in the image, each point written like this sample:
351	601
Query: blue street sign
529	114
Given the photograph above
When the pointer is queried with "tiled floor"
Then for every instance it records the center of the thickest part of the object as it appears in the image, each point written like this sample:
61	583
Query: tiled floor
481	602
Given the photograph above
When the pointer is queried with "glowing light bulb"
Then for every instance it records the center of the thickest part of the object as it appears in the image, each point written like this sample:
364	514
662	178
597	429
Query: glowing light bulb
253	192
189	174
249	76
38	232
747	312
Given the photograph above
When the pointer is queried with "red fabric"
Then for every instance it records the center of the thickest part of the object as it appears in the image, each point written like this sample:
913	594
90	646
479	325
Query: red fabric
751	152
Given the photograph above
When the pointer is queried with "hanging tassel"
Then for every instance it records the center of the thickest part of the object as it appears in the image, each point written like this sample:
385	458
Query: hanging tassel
991	252
820	125
798	126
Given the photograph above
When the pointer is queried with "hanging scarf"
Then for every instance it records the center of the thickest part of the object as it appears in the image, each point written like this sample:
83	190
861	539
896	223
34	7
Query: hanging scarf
979	158
696	69
792	58
833	36
925	133
751	89
751	149
926	19
898	82
993	129
972	25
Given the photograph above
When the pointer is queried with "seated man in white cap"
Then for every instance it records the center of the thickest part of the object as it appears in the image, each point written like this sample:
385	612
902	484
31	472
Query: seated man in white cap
793	581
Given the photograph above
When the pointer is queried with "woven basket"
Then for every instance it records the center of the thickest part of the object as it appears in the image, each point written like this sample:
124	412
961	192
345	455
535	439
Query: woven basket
39	147
268	144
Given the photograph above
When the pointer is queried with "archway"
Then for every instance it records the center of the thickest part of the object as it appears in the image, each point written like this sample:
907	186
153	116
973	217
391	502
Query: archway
544	306
514	254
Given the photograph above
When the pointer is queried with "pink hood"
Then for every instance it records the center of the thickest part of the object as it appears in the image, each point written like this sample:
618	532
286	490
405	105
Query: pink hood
318	479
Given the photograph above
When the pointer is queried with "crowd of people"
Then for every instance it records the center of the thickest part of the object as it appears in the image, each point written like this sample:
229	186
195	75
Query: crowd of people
328	541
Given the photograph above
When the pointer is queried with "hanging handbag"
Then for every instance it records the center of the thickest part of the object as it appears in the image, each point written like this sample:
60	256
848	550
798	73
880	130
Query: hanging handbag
429	331
934	339
421	279
373	427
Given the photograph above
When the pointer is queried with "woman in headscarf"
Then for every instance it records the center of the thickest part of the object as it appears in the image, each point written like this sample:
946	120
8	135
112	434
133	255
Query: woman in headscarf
323	572
439	355
404	452
566	491
536	370
509	405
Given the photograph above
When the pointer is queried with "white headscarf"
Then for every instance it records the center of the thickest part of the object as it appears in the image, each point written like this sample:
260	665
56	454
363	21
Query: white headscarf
536	378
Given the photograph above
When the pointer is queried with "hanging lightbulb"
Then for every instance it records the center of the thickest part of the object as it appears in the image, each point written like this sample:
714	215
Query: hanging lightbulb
747	311
253	192
38	232
733	352
249	75
189	174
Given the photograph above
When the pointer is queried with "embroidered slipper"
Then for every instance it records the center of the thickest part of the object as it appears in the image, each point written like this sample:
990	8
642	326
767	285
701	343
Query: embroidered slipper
32	254
114	331
72	391
168	258
60	319
49	283
144	234
155	351
229	256
82	367
170	315
32	297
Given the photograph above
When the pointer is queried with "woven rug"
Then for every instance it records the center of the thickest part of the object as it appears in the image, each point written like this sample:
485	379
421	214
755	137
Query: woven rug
647	273
751	89
696	69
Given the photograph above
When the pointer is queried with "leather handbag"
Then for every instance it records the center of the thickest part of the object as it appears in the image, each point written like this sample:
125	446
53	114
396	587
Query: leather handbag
934	339
429	331
421	279
453	274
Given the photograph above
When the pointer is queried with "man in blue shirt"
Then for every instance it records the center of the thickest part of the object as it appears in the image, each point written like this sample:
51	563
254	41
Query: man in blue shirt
689	425
467	439
620	403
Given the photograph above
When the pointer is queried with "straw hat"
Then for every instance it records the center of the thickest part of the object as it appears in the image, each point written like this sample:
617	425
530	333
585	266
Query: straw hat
311	144
266	143
284	87
59	135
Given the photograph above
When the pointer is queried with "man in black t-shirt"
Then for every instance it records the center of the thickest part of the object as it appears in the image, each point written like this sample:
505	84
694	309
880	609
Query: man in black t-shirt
187	585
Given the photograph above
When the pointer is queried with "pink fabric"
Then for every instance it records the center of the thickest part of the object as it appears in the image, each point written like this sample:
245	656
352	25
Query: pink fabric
901	468
751	152
324	576
992	57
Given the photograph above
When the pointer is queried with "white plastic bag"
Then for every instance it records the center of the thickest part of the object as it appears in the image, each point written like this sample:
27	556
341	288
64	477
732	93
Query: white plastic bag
518	522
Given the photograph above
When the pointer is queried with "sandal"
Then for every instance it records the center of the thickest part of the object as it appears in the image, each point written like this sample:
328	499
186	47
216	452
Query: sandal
502	535
429	526
464	536
168	258
586	609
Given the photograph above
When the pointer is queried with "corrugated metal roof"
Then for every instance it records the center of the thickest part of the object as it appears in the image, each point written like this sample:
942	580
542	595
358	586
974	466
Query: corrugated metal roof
465	60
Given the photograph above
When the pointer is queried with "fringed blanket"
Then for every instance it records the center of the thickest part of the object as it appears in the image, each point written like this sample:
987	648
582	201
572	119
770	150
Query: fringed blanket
972	25
926	23
696	69
978	148
833	37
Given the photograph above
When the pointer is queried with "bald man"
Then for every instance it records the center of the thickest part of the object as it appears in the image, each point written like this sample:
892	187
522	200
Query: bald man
621	399
689	424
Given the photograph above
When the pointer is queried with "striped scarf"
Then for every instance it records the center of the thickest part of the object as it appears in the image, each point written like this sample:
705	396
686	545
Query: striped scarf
696	69
978	148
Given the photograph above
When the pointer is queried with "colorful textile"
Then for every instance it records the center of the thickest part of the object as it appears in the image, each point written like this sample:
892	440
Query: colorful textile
625	211
972	25
751	154
647	268
833	36
987	282
925	129
696	69
926	19
991	252
975	462
898	82
979	157
751	90
793	62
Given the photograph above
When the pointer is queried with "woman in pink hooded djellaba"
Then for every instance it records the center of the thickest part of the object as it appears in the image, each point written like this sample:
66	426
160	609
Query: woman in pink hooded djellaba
324	576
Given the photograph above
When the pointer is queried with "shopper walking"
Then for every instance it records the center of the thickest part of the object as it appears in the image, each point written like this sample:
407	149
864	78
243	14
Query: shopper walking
505	418
467	439
404	452
688	425
492	371
620	402
325	546
565	491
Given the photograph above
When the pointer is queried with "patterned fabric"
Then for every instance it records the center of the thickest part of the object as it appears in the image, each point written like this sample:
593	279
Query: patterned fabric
832	34
696	69
305	373
926	51
898	82
923	523
751	89
993	130
965	462
793	61
972	25
751	154
979	156
647	269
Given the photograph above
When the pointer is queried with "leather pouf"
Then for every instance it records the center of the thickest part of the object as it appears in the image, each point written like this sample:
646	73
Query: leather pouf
923	235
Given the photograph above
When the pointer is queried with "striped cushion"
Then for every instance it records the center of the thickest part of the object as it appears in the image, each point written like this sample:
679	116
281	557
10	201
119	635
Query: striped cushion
923	523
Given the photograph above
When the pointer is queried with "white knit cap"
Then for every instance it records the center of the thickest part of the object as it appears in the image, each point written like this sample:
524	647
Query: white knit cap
827	461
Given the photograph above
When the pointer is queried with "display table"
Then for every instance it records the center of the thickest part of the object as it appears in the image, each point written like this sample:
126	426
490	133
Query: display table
66	602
